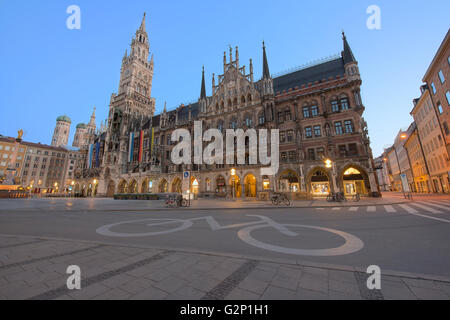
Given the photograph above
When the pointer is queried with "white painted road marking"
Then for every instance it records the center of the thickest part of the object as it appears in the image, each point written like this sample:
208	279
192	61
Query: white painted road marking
437	204
426	208
336	209
408	208
352	243
416	213
390	209
371	209
353	209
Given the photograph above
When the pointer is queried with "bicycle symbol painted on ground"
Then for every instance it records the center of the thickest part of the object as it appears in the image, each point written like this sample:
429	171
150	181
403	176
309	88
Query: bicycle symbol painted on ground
352	244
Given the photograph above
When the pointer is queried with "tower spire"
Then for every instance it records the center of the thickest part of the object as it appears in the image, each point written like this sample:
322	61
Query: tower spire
347	54
266	72
93	116
142	27
203	90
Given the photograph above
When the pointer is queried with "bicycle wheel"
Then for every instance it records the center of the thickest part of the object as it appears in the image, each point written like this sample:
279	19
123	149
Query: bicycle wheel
275	201
287	202
184	203
330	198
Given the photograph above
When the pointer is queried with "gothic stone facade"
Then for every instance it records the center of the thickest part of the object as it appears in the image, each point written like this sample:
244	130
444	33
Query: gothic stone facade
317	109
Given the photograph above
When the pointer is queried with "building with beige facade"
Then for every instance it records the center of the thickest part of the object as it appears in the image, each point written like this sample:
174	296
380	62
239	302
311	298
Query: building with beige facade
44	168
432	140
419	166
437	78
9	158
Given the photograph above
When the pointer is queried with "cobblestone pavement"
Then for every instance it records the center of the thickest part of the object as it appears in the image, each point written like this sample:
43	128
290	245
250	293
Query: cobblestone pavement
32	268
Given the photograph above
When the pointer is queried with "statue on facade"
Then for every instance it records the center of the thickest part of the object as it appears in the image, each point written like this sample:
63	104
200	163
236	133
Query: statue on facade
19	134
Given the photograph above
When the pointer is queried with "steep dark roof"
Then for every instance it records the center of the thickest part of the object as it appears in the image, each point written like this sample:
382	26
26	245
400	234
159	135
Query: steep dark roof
318	72
203	90
155	120
266	72
347	54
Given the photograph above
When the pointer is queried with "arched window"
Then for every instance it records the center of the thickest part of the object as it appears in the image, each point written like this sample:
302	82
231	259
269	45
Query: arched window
243	100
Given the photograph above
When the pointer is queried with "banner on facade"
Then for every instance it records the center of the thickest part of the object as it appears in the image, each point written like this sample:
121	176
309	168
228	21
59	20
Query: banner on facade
141	145
151	147
130	147
97	154
89	157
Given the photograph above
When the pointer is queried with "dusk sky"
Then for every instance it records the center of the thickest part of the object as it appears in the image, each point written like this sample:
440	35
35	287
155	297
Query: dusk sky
48	70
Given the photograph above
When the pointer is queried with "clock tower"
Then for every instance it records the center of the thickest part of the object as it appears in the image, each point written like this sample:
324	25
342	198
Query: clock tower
133	102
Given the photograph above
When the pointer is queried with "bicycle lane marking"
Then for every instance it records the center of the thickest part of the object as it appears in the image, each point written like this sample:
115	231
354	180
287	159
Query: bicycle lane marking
352	244
105	230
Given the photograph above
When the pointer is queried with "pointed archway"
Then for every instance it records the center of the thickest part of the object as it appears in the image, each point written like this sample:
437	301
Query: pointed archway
250	186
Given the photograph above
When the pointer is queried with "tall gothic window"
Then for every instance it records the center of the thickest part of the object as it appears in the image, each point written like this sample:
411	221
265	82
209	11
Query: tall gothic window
306	113
287	115
344	104
348	126
261	118
335	106
338	126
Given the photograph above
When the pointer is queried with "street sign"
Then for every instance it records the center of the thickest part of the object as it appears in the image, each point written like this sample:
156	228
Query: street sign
186	175
405	184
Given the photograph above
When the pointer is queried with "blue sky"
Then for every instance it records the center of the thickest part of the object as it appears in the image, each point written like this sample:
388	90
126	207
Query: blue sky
48	70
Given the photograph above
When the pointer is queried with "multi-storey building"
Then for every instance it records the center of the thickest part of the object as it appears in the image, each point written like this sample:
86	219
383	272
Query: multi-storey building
432	141
419	166
382	170
399	163
44	168
318	110
437	78
10	159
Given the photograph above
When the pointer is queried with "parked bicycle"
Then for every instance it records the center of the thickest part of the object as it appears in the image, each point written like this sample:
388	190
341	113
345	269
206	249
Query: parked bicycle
280	198
336	197
356	197
176	201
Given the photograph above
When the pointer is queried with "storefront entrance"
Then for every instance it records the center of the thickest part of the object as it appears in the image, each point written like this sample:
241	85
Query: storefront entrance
176	186
288	182
235	187
353	182
250	186
320	183
221	187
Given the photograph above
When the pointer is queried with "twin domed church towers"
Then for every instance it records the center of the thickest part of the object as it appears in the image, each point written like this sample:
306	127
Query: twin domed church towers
84	134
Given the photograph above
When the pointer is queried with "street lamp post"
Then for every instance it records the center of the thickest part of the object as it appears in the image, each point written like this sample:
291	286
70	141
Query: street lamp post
233	179
403	136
